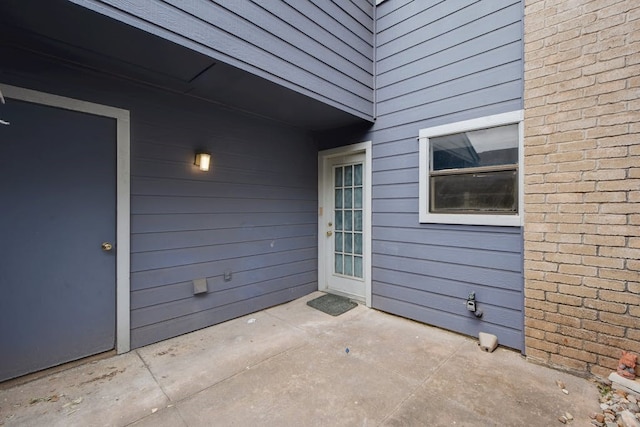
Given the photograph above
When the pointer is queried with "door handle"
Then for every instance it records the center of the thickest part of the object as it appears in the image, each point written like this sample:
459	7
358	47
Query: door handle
329	233
106	246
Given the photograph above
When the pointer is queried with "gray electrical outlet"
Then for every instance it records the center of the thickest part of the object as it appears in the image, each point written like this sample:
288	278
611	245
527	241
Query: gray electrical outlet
199	286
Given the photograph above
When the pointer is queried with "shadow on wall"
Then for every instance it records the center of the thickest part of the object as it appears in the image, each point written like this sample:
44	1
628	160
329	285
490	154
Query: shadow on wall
339	137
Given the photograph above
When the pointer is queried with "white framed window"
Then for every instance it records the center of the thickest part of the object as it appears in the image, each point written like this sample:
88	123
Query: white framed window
471	171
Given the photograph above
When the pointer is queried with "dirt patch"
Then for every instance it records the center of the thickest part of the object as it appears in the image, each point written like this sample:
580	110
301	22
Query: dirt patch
108	376
165	352
52	398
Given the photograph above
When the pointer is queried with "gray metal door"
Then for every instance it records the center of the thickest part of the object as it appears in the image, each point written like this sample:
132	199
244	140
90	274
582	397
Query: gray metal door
57	207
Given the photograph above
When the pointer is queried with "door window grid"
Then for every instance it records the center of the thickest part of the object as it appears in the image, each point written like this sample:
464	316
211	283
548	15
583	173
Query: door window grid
348	240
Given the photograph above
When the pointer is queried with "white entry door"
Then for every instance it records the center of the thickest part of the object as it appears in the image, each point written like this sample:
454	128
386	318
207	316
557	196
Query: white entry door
344	223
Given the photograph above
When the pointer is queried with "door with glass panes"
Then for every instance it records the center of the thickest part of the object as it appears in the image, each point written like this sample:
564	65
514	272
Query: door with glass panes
345	226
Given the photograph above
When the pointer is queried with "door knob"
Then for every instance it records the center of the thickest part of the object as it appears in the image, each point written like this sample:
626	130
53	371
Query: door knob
329	233
106	246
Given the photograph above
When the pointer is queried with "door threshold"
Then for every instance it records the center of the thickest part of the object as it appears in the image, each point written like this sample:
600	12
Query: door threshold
355	298
27	378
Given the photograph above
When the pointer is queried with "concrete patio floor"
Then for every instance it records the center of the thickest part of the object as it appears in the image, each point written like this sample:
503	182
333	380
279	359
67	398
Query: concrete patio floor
288	365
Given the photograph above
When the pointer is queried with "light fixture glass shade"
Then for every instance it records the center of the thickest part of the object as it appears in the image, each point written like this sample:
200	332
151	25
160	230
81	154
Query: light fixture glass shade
203	161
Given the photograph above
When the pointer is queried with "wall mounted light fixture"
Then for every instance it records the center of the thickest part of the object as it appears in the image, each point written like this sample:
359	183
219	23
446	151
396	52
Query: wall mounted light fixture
203	161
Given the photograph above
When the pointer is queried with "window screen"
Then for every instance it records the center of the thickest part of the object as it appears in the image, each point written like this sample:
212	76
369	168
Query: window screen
475	171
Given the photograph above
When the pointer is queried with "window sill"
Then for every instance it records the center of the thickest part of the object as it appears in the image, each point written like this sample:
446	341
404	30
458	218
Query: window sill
471	219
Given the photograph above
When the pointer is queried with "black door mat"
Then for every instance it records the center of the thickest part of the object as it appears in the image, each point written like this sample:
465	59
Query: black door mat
331	304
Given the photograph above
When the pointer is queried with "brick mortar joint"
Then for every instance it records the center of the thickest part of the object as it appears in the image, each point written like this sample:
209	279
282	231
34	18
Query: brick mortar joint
549	44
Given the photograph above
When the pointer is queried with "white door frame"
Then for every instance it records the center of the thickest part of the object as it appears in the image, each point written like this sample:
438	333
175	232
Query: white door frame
324	200
123	204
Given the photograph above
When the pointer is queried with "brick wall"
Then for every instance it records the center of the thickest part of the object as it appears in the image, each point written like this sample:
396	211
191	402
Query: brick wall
582	182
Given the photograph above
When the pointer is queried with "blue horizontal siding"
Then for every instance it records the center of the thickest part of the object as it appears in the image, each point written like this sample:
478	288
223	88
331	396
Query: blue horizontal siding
462	59
175	274
452	257
352	48
286	43
254	214
158	240
453	81
255	29
499	239
400	161
163	187
440	62
496	91
178	308
400	191
449	304
185	222
479	275
458	22
158	331
184	290
468	324
195	255
455	290
387	132
143	204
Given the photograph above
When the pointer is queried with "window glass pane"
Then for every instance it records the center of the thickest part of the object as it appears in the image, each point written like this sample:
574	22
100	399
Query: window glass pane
338	198
357	174
348	220
338	242
338	177
338	264
348	265
357	266
348	198
357	220
487	192
357	243
483	147
348	176
338	220
357	197
348	243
